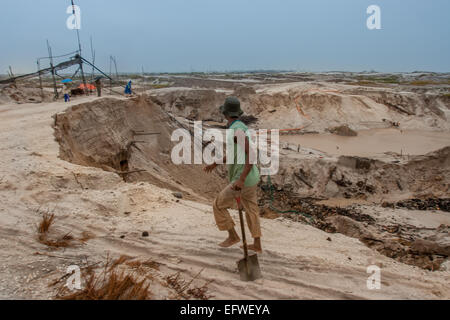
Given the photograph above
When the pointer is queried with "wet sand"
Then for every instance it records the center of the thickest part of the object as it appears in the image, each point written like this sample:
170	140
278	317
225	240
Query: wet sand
375	142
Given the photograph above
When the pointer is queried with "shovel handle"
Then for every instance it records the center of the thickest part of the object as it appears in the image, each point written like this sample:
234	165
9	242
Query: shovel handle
241	219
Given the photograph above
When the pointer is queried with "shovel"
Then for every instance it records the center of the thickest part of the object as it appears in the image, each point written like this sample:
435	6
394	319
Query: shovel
249	266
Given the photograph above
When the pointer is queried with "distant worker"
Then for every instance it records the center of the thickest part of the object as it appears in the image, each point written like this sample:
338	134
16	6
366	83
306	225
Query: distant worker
128	90
66	93
244	178
98	85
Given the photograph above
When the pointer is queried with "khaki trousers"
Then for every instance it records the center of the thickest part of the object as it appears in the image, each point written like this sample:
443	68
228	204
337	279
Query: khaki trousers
227	199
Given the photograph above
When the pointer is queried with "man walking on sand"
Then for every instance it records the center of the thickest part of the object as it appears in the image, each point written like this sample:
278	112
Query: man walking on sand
244	178
98	85
66	93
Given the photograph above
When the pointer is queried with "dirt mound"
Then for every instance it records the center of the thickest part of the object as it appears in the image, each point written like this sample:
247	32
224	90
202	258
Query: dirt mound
243	91
193	104
408	103
313	107
23	94
133	139
343	131
319	176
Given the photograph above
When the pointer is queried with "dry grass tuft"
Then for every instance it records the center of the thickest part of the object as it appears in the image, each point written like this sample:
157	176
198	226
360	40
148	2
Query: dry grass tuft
121	260
149	263
175	282
134	264
47	221
62	242
199	293
182	289
43	233
127	279
113	286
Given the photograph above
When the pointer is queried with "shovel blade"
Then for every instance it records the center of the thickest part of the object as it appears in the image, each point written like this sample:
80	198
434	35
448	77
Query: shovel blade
249	268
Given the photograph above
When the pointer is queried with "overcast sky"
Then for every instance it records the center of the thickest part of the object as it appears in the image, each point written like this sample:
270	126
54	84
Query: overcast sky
225	35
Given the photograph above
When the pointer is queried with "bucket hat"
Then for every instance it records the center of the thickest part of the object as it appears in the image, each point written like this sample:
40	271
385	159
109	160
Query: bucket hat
232	107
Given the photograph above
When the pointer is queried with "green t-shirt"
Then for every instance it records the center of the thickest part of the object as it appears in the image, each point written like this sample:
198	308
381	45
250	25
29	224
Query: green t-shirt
235	170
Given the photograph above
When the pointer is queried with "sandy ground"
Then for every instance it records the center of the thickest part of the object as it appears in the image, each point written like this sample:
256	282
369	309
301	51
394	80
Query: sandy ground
298	262
374	143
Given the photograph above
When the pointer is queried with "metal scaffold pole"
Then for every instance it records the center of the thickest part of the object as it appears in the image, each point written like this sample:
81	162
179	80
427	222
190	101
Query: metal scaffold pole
110	75
77	27
53	70
40	78
93	60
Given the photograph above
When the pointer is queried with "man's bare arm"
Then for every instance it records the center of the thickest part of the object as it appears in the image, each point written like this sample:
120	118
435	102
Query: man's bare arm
211	167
